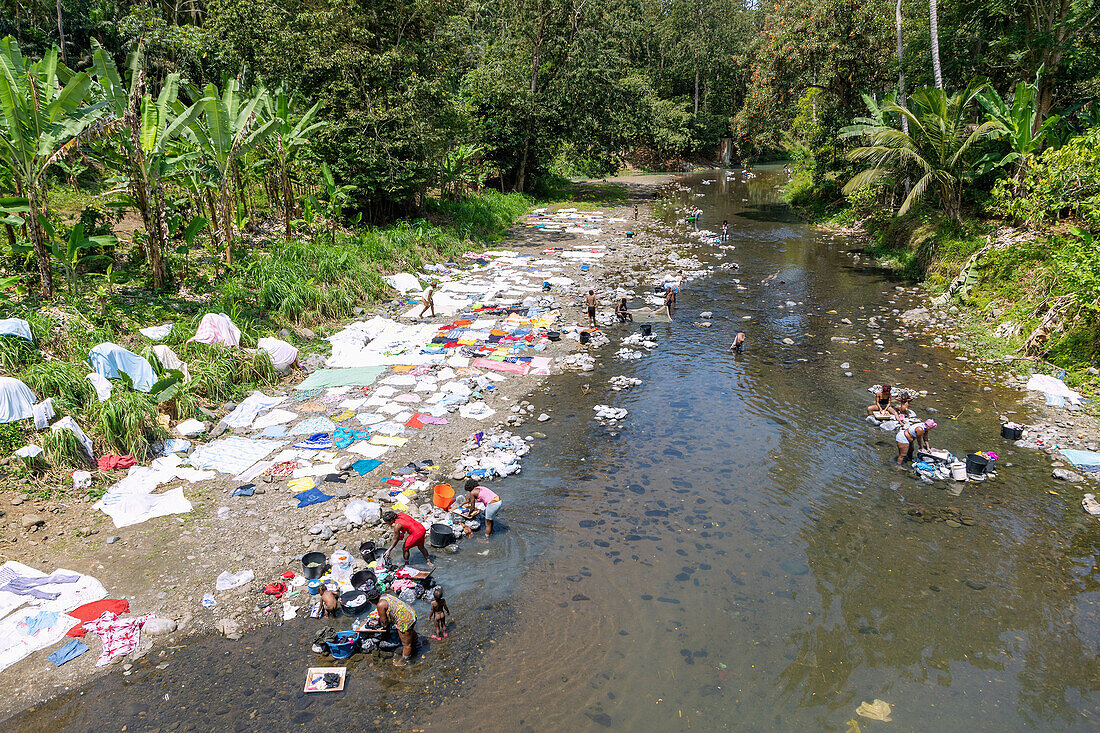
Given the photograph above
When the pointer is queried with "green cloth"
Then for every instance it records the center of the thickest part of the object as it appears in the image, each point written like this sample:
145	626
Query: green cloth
353	377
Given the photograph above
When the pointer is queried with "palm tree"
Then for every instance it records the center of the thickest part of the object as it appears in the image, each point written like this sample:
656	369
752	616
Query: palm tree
223	129
43	117
287	140
937	151
144	153
934	26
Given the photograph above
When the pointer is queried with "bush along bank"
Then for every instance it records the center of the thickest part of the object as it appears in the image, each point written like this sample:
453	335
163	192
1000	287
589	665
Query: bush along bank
292	291
1026	296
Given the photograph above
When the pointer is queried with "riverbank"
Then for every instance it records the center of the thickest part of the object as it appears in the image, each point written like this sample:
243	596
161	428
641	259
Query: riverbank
974	300
165	566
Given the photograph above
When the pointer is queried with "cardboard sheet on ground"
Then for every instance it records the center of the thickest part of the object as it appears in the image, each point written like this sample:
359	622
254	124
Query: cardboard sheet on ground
345	377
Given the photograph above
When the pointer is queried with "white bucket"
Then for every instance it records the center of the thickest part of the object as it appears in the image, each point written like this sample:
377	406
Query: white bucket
958	471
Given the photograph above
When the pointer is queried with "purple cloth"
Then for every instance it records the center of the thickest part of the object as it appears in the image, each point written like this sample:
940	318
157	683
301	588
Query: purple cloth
12	582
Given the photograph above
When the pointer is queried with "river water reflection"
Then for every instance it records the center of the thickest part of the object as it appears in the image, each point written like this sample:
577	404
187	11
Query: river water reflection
736	556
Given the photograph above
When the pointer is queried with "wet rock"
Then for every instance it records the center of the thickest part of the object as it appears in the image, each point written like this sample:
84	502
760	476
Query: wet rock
794	567
788	341
917	316
1064	474
974	585
229	628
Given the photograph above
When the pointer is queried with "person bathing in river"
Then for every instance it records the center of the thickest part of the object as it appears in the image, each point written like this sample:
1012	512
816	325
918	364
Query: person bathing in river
622	312
488	500
902	413
590	301
881	408
738	342
413	532
914	436
725	230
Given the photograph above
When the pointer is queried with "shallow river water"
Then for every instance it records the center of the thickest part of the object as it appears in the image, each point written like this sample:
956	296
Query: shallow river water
737	555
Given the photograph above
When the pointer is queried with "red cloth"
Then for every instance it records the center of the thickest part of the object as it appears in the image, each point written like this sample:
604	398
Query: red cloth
275	589
109	462
289	575
95	609
414	422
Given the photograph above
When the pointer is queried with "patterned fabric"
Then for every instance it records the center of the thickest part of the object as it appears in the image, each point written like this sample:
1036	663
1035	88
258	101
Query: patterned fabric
317	441
400	613
343	415
281	470
307	395
312	406
120	636
343	437
312	425
232	455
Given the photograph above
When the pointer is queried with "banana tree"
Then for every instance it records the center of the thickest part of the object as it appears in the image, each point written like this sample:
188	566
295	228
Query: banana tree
225	127
287	140
44	115
145	154
1016	125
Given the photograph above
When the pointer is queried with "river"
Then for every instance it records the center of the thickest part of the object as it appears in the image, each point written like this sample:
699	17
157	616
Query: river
737	555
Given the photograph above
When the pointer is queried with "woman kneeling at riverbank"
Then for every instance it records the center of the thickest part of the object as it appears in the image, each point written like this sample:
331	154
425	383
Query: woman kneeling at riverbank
915	435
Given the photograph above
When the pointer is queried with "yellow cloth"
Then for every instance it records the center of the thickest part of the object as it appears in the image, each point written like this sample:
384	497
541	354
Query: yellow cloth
305	483
877	710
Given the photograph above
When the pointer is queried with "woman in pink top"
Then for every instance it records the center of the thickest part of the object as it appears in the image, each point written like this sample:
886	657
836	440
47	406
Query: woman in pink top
489	501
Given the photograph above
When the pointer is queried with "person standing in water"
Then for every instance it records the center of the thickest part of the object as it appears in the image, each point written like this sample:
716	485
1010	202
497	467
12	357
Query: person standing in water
738	342
590	301
725	230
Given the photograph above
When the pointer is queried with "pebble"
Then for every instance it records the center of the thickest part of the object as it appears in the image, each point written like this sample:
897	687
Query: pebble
17	501
341	493
32	520
543	417
113	539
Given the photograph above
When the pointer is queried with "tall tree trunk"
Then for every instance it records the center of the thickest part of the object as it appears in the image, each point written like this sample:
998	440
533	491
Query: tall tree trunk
901	67
61	34
11	235
41	250
227	221
288	197
934	26
215	230
696	90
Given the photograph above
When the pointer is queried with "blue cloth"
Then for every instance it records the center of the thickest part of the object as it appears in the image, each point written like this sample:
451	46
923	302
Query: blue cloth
1084	460
109	359
274	431
343	437
313	496
16	327
365	466
41	620
317	441
246	490
176	445
68	653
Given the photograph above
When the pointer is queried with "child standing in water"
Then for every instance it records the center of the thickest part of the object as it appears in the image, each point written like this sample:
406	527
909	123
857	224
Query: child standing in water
439	613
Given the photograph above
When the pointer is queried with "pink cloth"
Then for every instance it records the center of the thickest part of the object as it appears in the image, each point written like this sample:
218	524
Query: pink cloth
520	367
120	636
216	328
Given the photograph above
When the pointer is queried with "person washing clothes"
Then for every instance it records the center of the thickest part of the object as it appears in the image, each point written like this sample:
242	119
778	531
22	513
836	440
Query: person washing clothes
489	501
738	342
914	436
622	312
413	532
881	408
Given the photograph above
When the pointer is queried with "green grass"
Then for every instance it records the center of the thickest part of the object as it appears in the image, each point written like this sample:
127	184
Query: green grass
310	282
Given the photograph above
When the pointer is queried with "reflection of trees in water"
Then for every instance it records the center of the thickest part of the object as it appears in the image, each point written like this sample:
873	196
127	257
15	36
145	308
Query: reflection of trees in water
876	575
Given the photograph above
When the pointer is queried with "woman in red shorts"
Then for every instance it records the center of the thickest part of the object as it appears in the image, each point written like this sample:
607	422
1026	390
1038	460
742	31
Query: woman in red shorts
413	532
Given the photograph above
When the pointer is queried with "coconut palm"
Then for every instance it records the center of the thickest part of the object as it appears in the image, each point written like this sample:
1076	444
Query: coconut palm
937	152
287	140
934	28
225	127
43	116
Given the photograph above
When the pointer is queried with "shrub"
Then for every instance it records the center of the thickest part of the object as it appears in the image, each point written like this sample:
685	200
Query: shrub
1060	183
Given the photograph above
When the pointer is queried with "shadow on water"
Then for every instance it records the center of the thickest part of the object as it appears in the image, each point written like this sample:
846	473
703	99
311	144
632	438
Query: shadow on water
741	553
